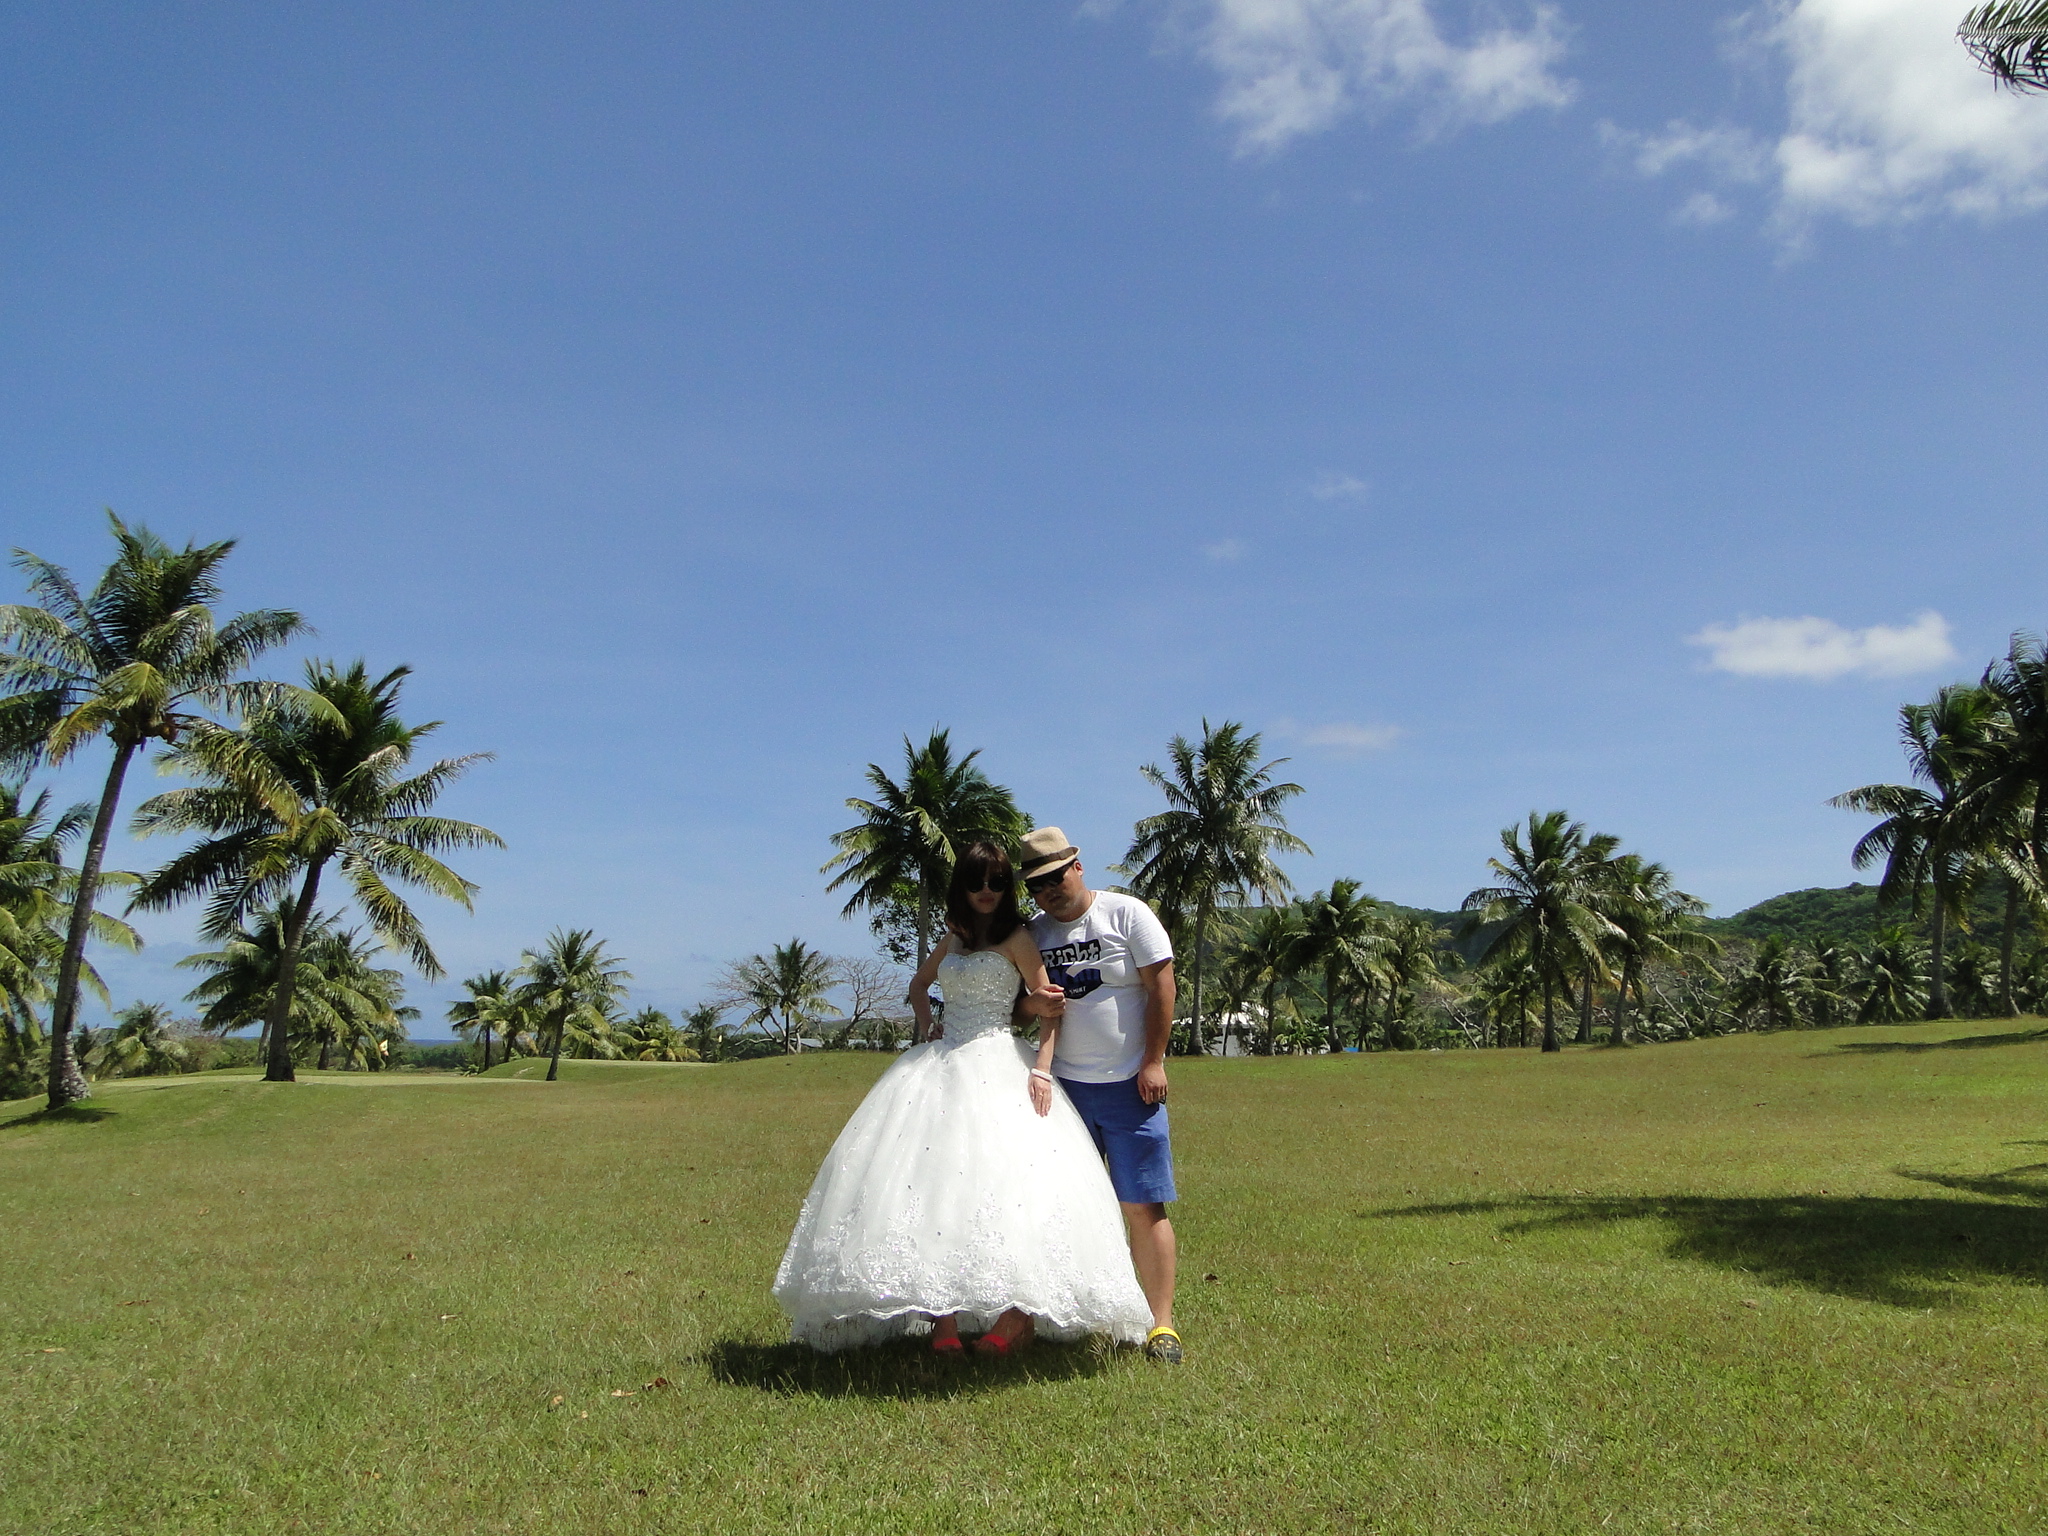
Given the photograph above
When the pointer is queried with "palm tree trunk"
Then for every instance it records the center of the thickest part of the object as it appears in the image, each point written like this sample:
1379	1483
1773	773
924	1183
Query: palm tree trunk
1617	1029
1196	1045
2005	942
555	1057
1550	1042
487	1047
67	1082
1330	1007
1272	1024
326	1051
278	1069
1937	985
1585	1034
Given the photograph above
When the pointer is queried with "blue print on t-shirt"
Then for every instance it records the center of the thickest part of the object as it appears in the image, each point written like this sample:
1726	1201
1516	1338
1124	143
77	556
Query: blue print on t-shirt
1076	984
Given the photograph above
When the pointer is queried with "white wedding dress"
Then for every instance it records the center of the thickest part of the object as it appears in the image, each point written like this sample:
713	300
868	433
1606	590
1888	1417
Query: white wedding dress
947	1192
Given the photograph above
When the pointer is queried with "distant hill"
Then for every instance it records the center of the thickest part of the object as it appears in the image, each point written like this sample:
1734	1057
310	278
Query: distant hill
1849	915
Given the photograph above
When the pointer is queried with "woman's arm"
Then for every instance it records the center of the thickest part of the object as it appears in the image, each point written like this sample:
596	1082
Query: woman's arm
1030	965
921	991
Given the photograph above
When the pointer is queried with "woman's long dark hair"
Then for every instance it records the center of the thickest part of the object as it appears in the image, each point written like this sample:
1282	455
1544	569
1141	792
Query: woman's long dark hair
976	863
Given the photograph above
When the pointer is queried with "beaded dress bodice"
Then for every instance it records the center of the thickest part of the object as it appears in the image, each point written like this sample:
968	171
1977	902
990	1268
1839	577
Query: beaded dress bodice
979	988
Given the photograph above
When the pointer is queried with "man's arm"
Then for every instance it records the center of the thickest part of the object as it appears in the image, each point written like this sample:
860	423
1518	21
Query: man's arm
1159	994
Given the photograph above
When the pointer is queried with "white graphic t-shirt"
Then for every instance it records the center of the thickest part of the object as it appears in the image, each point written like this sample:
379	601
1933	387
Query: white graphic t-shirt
1096	958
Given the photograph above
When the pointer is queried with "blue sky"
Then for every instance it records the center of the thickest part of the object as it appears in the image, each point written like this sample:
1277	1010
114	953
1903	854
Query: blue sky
703	398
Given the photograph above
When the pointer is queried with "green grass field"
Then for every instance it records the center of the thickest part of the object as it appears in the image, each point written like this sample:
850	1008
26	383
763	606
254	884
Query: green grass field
1758	1284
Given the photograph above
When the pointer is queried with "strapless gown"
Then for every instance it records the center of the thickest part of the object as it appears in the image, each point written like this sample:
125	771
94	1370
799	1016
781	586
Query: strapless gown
947	1192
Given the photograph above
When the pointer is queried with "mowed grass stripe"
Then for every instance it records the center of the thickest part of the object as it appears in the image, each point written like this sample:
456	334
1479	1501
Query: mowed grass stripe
1773	1283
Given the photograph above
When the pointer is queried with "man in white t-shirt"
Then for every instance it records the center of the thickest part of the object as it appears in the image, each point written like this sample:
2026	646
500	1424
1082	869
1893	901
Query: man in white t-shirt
1111	959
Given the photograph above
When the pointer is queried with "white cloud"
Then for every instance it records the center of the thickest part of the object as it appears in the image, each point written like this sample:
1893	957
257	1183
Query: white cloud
1820	649
1291	68
1332	486
1225	551
1702	209
1887	119
1341	736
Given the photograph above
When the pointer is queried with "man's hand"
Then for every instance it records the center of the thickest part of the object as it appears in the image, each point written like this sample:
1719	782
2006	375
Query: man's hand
1152	1082
1044	1003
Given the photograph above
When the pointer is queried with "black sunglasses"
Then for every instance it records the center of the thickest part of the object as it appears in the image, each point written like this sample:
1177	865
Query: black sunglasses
991	881
1046	882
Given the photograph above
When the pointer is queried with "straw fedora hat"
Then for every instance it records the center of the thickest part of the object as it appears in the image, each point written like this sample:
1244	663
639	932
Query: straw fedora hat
1043	847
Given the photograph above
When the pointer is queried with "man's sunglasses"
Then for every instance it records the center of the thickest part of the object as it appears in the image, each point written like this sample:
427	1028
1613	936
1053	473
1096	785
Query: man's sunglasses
991	881
1047	881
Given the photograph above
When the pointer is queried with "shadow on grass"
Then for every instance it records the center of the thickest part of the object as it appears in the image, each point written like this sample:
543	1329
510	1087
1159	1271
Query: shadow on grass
1908	1252
70	1114
1961	1043
903	1369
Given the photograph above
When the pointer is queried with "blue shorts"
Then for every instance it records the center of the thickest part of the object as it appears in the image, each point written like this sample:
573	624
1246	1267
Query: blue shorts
1131	1135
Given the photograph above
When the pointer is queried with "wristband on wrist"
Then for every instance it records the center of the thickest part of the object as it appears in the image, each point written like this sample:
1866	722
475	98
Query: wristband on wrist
1035	1072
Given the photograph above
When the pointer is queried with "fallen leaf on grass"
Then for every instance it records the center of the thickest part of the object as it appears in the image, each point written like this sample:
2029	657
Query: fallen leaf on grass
703	1221
1210	1276
625	1392
408	1255
206	1210
584	1414
640	1493
555	1401
1754	1304
659	1381
142	1303
1456	1262
58	1350
448	1317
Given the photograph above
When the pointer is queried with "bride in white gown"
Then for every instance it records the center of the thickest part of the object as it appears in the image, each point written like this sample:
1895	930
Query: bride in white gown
965	1193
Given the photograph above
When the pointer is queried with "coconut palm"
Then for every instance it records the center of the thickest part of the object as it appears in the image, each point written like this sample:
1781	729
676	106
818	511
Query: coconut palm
2006	801
572	987
489	1005
784	991
1341	934
1926	838
1543	908
131	661
1893	976
2009	39
241	975
1652	920
651	1035
1776	984
1266	951
1508	992
704	1032
1410	958
347	1011
899	856
294	791
37	890
1215	842
147	1040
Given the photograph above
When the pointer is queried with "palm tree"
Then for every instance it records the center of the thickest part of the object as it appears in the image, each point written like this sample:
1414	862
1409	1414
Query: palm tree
2006	801
899	855
2009	39
1267	952
572	987
294	791
489	1004
146	1041
1215	842
37	892
1894	979
1542	910
1342	933
651	1035
130	660
1776	983
704	1032
784	990
1925	838
345	1004
1411	955
1653	920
